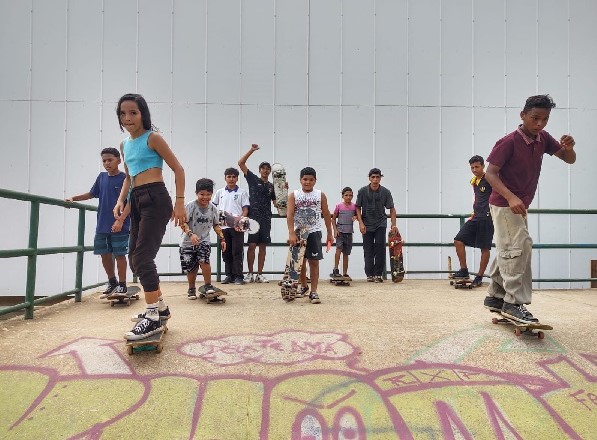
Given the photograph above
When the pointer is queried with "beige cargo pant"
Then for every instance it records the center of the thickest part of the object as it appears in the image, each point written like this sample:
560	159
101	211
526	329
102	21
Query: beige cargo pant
510	271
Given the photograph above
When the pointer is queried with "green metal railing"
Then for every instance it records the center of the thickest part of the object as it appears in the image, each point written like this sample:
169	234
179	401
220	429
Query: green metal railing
33	251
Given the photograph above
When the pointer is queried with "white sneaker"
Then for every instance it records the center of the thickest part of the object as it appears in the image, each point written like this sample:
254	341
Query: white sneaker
249	278
261	279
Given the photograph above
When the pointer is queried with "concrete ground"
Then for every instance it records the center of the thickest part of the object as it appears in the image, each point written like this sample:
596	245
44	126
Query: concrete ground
417	359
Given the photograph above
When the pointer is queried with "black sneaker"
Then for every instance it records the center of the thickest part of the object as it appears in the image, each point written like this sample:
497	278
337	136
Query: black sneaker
518	312
227	280
209	289
192	293
378	279
164	315
462	273
301	291
477	282
109	289
335	273
144	329
314	298
239	281
494	304
370	279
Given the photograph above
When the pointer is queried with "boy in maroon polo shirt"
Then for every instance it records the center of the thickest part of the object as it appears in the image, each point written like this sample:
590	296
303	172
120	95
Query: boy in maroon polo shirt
513	173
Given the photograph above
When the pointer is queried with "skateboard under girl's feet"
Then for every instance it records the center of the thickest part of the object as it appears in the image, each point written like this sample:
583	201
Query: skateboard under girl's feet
522	328
151	343
132	293
212	298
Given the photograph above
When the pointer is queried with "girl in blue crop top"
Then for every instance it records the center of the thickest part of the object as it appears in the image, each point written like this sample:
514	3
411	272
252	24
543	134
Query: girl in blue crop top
144	152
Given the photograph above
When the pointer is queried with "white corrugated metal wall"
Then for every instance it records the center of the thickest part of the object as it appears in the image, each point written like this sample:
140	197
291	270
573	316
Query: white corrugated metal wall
414	87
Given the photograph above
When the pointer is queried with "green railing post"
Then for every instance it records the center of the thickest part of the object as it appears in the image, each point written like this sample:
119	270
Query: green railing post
80	255
32	259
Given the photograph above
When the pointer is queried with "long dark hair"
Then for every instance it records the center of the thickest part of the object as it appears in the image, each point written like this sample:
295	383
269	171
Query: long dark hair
143	108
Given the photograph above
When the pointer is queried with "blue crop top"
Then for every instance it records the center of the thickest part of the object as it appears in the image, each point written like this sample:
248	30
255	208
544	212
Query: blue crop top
138	157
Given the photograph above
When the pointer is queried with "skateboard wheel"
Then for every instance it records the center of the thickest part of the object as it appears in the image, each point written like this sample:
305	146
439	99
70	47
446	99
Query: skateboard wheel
470	286
451	283
541	335
111	303
159	348
517	331
129	349
223	300
494	320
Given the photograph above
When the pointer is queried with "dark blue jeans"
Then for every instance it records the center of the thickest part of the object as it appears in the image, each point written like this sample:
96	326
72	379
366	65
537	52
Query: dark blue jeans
374	250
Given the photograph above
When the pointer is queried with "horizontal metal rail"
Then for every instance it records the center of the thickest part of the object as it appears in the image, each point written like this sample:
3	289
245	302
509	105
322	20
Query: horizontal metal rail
32	251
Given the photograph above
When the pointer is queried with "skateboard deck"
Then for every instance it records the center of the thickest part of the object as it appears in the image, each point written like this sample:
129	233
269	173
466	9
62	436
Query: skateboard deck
461	283
126	298
396	258
279	178
341	281
244	224
522	328
212	298
294	264
152	343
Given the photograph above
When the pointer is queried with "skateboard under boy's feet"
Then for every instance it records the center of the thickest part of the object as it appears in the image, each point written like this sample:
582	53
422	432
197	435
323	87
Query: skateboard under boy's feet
461	283
522	328
124	298
151	343
340	280
213	297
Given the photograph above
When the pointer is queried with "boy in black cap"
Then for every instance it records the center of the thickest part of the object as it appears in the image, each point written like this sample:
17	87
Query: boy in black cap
261	197
372	202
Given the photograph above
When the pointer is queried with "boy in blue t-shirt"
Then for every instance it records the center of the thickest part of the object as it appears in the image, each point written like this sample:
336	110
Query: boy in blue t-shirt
111	236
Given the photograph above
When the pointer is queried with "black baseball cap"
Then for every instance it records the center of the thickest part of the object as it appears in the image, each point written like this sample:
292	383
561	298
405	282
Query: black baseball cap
375	171
265	164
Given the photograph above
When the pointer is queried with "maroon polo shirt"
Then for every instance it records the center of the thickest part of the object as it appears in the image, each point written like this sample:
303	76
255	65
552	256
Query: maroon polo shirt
519	158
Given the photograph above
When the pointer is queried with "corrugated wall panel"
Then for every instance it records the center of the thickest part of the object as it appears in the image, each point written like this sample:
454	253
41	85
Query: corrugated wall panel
415	88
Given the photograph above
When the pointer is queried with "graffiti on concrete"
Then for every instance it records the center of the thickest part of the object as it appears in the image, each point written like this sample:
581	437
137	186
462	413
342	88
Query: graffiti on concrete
423	399
282	348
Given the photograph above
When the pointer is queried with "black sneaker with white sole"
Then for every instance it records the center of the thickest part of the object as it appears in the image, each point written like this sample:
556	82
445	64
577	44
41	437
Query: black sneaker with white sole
314	298
164	315
494	304
518	312
108	291
192	293
144	329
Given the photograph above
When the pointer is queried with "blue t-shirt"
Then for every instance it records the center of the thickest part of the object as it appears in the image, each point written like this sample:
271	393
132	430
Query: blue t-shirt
107	189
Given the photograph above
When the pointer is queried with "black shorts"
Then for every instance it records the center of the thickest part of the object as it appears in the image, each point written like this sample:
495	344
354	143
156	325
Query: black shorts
313	250
264	234
477	234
